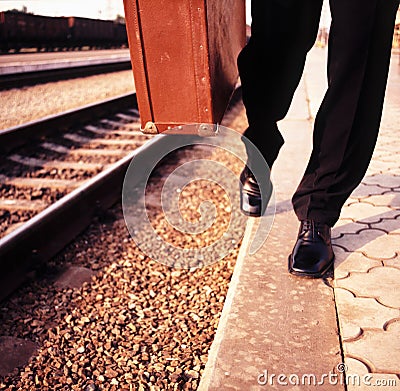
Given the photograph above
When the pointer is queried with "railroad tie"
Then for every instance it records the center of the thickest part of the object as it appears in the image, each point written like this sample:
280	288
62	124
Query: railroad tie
86	140
18	205
104	131
82	151
33	162
39	183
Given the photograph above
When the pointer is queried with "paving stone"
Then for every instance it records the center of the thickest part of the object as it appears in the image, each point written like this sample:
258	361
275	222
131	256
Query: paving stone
378	283
351	200
391	226
347	226
389	147
390	199
394	171
386	135
272	320
347	262
378	151
378	170
355	366
394	262
377	166
381	154
366	213
358	378
363	190
373	243
392	160
379	349
383	180
360	313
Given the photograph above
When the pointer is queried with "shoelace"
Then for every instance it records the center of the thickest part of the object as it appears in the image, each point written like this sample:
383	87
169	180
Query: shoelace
312	226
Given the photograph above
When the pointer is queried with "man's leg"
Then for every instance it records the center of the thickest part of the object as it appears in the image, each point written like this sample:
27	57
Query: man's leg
347	123
271	65
346	126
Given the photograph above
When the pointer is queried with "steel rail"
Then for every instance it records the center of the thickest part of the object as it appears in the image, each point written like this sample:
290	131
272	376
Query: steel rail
41	237
22	134
47	233
21	79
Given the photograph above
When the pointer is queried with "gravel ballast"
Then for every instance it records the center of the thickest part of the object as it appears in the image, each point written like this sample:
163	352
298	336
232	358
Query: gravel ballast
135	324
30	103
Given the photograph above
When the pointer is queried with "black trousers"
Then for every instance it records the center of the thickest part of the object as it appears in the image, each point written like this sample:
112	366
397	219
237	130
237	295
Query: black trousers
346	126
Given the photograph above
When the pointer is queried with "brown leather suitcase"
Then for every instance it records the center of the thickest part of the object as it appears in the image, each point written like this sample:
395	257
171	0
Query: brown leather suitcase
183	56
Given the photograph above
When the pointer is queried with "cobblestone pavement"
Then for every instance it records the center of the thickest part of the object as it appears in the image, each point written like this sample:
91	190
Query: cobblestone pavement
346	325
367	266
367	248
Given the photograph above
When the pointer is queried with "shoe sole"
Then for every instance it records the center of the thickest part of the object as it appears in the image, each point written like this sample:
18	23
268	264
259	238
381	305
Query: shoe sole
310	275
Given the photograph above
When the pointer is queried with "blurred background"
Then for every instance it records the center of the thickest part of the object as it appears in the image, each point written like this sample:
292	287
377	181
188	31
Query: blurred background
98	9
114	10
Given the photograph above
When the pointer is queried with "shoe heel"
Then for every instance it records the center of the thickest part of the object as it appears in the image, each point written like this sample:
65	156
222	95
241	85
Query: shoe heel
250	205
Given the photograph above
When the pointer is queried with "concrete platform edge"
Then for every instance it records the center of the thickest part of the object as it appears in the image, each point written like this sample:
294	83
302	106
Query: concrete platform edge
219	335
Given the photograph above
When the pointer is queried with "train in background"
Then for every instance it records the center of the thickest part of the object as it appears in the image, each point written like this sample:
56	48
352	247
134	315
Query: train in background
20	30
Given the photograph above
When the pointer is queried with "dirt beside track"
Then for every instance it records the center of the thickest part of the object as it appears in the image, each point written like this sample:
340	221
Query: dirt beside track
30	103
135	324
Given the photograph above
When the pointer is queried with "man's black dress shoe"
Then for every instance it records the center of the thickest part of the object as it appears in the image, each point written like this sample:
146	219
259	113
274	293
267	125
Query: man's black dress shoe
312	254
253	200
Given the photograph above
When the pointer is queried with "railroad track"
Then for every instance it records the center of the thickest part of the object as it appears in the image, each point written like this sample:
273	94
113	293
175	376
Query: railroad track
21	79
56	174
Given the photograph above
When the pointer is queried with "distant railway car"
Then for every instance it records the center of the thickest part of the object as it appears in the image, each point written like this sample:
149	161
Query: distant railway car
21	30
89	32
120	36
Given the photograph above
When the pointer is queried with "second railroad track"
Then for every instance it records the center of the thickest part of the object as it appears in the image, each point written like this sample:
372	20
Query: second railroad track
56	174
